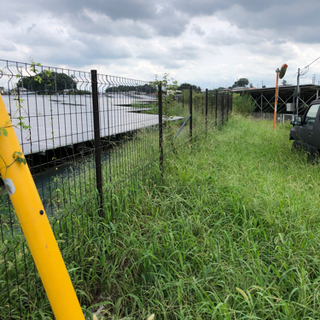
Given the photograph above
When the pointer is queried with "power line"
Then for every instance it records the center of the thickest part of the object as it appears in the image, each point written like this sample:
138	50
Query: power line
294	76
314	65
313	62
307	67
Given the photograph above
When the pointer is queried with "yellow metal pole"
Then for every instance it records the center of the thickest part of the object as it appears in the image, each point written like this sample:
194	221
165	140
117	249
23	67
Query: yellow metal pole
35	225
276	100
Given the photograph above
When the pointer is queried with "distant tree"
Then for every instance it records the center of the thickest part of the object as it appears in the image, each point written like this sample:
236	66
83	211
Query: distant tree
250	85
78	92
48	82
120	89
263	87
145	88
186	86
284	82
242	82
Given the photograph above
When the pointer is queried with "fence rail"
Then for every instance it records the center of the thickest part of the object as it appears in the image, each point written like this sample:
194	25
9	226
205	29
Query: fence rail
86	135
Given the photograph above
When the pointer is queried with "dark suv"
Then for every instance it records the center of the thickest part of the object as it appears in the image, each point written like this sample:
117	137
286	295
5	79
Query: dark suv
306	129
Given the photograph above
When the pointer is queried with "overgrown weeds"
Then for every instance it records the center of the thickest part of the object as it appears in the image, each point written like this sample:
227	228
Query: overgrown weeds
230	232
243	104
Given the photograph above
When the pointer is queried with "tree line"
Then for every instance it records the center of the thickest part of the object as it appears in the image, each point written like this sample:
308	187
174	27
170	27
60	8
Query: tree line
52	82
48	82
127	88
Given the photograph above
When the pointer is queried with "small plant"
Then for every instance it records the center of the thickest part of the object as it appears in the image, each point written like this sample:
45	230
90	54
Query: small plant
169	104
17	155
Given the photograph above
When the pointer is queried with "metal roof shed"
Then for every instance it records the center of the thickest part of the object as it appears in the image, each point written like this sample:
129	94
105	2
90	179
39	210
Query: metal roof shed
264	98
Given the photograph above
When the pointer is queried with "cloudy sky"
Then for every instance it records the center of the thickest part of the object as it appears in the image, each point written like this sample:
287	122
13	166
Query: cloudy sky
208	43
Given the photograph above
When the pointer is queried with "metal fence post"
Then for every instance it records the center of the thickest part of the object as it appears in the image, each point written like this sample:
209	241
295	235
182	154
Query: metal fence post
227	106
160	127
182	99
96	124
206	111
216	111
222	107
190	111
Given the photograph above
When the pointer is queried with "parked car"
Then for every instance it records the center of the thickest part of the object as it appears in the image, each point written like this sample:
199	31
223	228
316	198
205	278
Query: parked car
306	130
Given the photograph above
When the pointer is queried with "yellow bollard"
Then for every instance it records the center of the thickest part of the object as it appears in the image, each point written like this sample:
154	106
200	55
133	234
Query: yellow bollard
35	225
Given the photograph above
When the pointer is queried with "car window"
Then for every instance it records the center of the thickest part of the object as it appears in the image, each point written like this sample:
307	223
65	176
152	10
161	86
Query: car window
311	115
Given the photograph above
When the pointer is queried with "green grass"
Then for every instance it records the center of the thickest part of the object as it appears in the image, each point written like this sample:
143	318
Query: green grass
231	232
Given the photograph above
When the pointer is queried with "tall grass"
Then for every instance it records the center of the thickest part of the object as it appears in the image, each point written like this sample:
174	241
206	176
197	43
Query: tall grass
229	232
243	104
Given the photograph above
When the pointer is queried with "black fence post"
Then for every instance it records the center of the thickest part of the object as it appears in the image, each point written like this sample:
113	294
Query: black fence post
206	111
216	111
160	127
96	124
222	107
182	99
231	101
190	111
227	106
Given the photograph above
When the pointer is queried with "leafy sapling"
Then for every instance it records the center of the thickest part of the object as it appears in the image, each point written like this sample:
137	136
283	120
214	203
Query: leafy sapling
169	103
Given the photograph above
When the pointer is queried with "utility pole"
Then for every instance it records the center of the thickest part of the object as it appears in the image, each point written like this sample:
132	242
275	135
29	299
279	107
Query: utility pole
298	92
276	99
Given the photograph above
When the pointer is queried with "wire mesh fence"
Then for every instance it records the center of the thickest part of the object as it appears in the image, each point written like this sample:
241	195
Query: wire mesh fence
87	137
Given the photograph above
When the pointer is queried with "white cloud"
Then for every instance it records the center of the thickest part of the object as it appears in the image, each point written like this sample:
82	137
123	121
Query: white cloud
207	43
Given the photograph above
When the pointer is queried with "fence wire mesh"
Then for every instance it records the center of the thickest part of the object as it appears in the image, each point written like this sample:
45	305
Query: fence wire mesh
83	148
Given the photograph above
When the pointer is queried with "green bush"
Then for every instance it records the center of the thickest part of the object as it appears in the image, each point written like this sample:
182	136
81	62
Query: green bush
243	104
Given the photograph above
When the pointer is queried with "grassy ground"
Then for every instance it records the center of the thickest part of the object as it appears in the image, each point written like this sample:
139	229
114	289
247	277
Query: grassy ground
231	233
